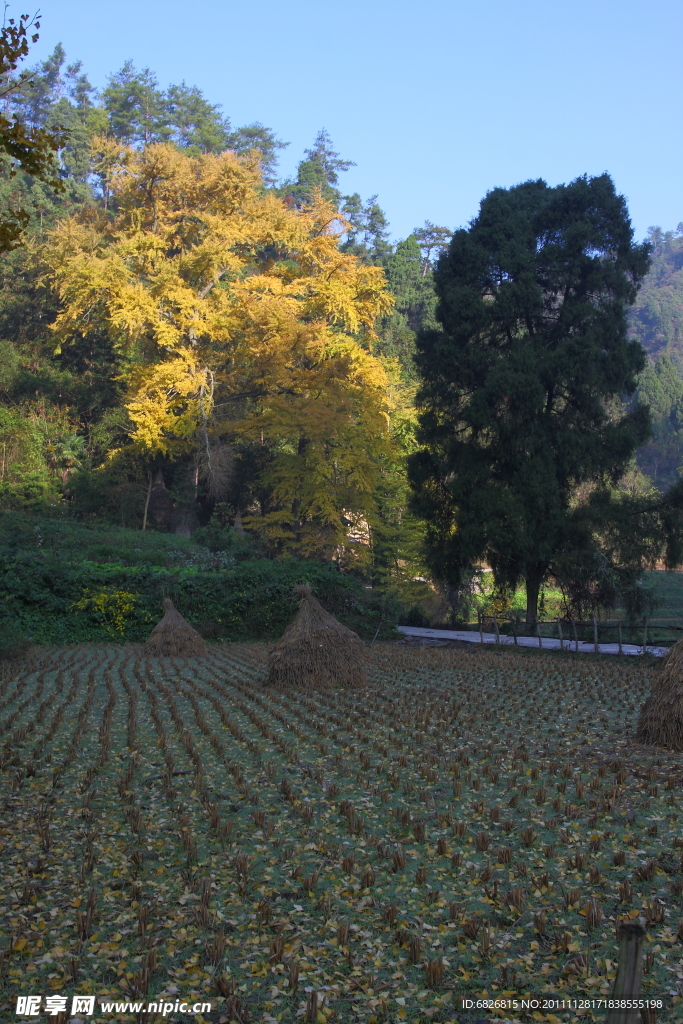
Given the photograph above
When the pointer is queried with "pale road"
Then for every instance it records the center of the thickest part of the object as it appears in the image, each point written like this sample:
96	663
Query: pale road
547	643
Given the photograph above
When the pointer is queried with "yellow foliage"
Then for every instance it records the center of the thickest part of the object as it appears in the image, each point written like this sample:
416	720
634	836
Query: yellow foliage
112	607
224	297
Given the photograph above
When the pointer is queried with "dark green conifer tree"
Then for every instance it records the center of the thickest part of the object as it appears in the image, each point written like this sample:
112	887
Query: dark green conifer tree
136	107
522	379
415	303
368	236
193	122
432	240
257	136
320	170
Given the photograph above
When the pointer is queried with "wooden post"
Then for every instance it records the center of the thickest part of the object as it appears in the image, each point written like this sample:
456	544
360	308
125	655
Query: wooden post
559	633
514	629
645	637
628	981
495	623
481	631
576	636
538	634
595	635
620	650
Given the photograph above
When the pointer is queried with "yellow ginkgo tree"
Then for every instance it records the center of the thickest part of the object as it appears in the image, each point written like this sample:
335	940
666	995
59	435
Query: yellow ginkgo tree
240	320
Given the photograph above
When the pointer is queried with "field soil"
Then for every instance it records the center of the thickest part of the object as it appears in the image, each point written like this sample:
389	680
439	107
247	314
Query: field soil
470	823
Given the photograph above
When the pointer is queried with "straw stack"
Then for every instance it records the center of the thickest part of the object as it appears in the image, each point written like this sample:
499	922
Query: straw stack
174	637
661	716
316	651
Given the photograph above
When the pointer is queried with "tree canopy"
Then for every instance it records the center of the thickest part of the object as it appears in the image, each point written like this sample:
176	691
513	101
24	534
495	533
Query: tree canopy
521	380
239	319
30	146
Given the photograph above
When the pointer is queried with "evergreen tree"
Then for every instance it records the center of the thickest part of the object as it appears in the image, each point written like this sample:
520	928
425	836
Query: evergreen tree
319	171
257	136
33	101
136	107
369	232
660	388
79	89
520	383
141	113
414	294
433	241
28	146
415	304
194	123
57	100
657	315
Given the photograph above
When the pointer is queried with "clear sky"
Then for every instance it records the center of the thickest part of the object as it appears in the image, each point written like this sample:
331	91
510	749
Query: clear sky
437	101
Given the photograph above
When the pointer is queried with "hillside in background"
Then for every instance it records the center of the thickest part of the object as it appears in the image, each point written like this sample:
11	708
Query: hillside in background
657	322
657	316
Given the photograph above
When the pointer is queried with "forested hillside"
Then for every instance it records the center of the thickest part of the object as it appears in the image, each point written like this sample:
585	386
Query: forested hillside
657	322
657	315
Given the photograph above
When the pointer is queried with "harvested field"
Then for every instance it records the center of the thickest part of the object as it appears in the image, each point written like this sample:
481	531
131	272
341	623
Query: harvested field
468	822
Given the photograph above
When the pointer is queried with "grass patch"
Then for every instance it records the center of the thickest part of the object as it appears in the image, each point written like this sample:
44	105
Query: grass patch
668	587
470	822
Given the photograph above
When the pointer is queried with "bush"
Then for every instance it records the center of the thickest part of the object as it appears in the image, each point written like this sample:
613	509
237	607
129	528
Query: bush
226	540
12	641
415	617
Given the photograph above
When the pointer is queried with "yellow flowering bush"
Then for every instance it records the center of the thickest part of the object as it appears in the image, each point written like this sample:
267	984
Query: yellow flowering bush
113	608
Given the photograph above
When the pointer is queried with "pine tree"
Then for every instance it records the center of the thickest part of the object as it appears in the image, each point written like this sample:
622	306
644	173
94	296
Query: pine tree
136	107
319	173
368	231
415	299
257	136
34	100
433	241
194	123
26	145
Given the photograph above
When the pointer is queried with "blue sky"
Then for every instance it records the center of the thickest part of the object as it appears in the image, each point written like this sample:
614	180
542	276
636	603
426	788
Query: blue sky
437	102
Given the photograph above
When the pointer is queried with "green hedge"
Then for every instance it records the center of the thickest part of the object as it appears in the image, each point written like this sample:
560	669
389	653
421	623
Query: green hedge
251	600
62	581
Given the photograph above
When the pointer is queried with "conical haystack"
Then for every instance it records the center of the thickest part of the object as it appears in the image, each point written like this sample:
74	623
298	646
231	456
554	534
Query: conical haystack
661	716
174	637
316	651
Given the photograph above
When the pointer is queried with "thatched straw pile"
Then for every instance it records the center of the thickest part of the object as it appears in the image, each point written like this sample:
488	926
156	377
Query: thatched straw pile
661	716
315	650
174	637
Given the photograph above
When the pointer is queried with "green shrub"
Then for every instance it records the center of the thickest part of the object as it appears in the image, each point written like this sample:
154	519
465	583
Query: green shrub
12	640
226	540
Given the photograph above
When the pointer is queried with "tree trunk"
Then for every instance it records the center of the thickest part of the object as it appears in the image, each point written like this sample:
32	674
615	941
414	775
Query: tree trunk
149	493
533	581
